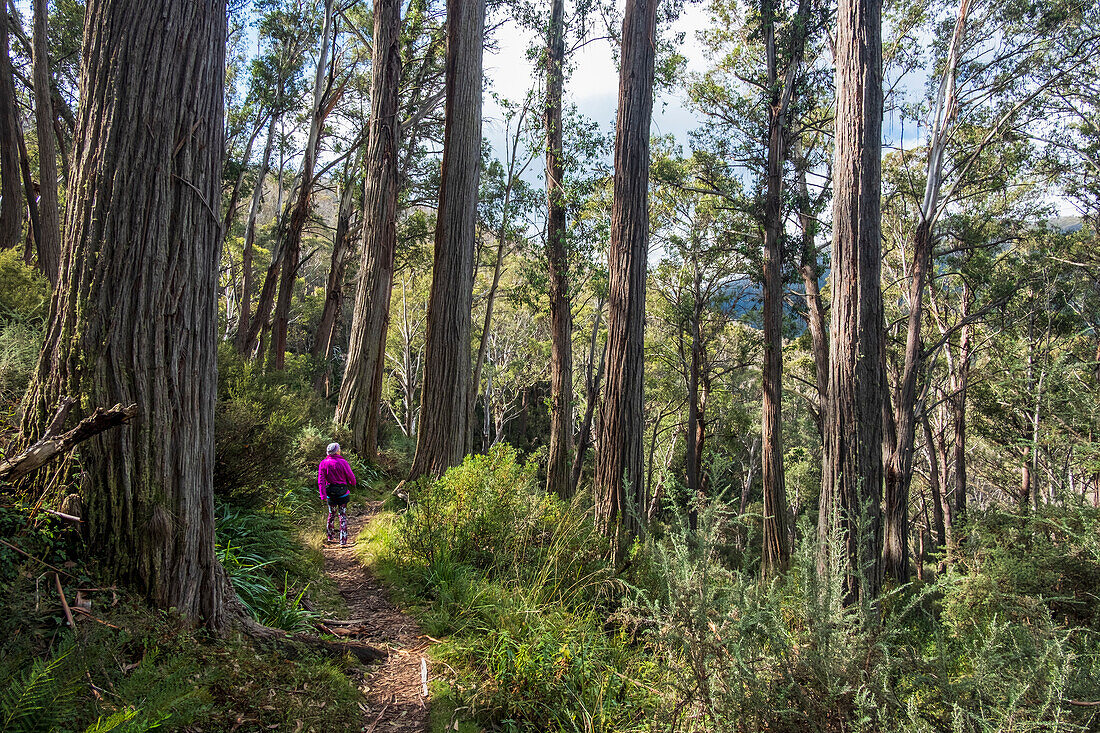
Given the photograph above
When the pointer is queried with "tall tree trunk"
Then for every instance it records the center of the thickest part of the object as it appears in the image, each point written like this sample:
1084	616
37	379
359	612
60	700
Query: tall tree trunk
899	466
694	429
361	390
11	198
292	235
144	208
851	486
342	250
619	463
934	485
31	197
958	404
592	379
244	323
441	437
558	479
810	270
49	219
776	551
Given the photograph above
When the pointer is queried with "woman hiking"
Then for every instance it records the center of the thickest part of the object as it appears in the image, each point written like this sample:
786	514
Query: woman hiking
334	481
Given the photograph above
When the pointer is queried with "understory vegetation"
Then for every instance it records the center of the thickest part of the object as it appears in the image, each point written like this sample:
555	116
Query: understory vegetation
540	633
128	668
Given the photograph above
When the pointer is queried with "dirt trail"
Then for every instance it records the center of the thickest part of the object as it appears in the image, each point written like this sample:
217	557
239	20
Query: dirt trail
394	700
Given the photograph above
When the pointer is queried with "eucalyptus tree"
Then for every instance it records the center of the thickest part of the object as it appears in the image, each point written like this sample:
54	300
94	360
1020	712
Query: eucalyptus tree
326	90
851	486
756	115
619	480
1000	67
144	207
275	77
441	437
361	389
702	285
11	196
49	217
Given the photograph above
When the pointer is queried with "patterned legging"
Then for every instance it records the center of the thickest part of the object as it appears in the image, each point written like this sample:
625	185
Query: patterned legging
342	510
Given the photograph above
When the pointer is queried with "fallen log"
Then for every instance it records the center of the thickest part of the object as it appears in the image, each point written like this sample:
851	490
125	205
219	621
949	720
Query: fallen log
52	444
362	652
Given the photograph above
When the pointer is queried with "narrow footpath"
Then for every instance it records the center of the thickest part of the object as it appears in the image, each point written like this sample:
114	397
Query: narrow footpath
394	691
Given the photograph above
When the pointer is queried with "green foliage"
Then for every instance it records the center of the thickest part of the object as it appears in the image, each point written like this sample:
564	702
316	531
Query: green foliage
518	582
33	698
478	512
268	566
256	428
24	294
958	654
20	343
24	298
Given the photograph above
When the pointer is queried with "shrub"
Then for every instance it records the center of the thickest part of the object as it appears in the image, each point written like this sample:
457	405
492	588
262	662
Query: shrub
24	294
258	420
269	568
520	583
483	511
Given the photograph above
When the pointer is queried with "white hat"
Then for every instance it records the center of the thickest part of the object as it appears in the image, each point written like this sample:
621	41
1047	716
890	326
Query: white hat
333	448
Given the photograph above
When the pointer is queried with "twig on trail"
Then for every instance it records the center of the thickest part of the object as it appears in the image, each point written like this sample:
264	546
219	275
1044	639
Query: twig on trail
376	720
344	622
429	638
64	603
1085	703
424	675
32	557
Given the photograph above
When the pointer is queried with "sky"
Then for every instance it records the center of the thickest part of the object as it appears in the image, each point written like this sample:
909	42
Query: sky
593	84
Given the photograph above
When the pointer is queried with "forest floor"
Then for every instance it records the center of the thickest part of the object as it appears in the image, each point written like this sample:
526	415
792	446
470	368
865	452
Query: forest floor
393	691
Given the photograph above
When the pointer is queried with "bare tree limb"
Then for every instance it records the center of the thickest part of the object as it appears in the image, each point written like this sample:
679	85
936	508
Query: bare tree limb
52	445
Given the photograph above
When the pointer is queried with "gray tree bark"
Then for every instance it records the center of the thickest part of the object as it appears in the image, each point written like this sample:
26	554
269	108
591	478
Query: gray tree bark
558	478
851	489
11	196
441	437
134	317
49	219
360	401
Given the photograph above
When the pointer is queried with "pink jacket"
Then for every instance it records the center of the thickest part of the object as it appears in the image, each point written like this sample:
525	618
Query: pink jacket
333	470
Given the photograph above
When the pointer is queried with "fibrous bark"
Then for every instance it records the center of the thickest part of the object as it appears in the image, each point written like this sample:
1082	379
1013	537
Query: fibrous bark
133	319
558	479
11	197
851	487
360	401
441	437
619	463
49	219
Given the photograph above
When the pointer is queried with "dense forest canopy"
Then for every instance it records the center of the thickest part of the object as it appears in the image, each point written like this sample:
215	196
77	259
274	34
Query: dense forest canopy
774	324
